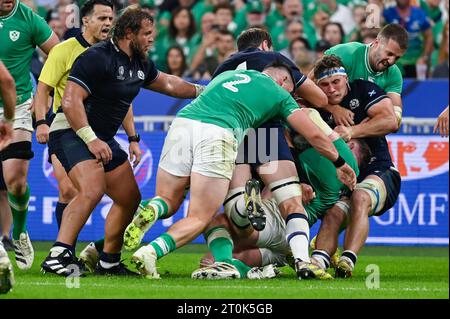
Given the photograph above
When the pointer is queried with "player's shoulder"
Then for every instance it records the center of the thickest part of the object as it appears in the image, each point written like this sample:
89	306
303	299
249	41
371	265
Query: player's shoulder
101	50
349	47
26	13
65	46
394	71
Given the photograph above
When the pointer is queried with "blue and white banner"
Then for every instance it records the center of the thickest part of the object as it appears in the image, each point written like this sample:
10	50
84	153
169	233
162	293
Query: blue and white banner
420	216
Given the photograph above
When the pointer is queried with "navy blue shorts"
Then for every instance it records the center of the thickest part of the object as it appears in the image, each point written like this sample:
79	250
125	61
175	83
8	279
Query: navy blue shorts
71	150
265	144
392	181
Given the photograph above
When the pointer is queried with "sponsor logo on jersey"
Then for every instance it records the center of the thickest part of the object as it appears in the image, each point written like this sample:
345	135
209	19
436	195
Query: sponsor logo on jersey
418	157
372	93
141	75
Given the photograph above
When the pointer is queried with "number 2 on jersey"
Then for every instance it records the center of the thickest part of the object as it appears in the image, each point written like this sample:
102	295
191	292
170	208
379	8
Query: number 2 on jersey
230	85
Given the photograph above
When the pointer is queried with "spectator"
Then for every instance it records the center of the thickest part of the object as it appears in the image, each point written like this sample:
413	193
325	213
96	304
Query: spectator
176	62
368	35
414	20
301	54
320	17
359	16
341	14
292	30
54	22
333	33
320	47
297	45
290	10
225	46
150	7
182	32
224	17
442	69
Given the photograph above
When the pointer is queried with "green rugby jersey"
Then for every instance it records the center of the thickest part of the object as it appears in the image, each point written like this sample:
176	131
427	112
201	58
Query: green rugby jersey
321	174
20	32
240	100
355	57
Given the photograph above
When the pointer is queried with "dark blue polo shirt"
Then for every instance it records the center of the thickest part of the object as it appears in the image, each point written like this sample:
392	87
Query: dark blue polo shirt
256	59
113	81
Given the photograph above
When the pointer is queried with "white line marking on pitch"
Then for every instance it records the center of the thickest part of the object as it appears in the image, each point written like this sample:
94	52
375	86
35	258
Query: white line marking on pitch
96	285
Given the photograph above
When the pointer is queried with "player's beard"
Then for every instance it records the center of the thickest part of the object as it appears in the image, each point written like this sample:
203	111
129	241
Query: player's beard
137	51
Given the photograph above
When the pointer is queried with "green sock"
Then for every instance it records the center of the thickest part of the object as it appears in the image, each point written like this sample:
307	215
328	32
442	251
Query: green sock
242	267
159	205
19	208
99	244
220	244
163	245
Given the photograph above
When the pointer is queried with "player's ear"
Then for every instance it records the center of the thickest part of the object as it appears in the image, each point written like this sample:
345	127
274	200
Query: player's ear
85	20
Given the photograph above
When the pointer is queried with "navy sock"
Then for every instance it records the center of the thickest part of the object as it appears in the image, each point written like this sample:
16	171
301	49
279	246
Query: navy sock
59	212
60	244
108	260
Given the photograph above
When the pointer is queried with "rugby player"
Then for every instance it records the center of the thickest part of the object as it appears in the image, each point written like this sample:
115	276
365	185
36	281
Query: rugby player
21	30
8	94
378	184
276	170
201	148
100	88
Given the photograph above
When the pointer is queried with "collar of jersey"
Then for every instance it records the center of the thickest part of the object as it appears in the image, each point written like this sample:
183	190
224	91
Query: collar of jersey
82	41
366	61
118	49
9	15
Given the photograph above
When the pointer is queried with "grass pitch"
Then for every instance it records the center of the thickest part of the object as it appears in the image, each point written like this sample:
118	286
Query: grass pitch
404	272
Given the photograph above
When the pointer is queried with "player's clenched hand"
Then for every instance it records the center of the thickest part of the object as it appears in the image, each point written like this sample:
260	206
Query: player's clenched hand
100	150
308	193
135	153
42	133
6	131
342	116
347	176
344	131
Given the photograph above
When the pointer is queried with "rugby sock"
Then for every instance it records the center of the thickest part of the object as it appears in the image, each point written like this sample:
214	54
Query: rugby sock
349	256
59	212
58	247
234	207
99	244
163	245
297	235
322	258
107	260
242	267
220	244
159	206
19	208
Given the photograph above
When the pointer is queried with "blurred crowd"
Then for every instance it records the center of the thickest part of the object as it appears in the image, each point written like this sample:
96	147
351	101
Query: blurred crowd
194	36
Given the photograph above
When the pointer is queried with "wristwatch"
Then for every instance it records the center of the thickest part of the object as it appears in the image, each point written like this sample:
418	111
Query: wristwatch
135	138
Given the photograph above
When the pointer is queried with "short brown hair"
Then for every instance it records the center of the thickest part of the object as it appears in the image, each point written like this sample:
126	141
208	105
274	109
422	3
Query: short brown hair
395	32
252	38
326	62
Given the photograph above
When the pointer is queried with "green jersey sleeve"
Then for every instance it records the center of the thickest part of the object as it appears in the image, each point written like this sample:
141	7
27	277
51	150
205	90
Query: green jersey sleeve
345	53
41	31
287	107
395	82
